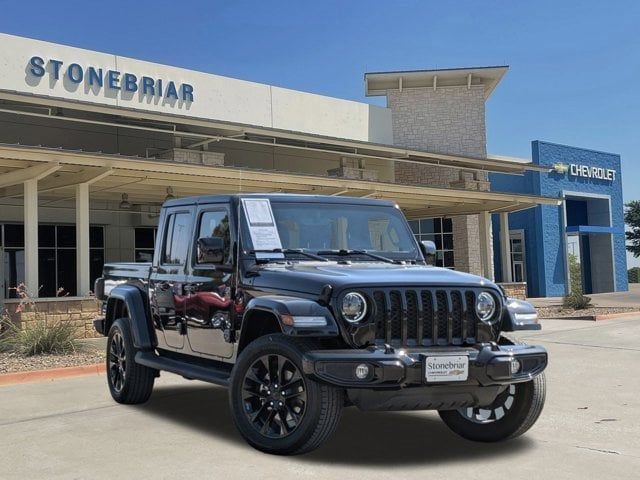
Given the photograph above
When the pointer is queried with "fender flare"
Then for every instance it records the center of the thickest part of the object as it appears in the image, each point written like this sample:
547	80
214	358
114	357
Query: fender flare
139	319
282	307
519	315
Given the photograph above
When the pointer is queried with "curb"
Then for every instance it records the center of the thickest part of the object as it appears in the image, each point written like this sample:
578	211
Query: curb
51	374
613	316
598	318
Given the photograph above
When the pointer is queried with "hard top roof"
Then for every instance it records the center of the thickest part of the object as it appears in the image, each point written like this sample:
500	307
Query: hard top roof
277	197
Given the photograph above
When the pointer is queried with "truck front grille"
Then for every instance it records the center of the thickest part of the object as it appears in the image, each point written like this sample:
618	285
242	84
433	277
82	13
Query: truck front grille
425	317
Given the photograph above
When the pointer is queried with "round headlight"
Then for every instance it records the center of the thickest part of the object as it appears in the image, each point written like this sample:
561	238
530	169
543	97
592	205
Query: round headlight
485	306
354	307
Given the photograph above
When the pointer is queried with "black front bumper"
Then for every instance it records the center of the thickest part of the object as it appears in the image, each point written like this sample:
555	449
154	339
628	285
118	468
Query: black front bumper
489	365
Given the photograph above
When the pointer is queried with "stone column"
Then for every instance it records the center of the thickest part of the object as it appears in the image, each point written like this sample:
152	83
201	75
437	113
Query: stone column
505	248
31	279
445	120
485	243
82	239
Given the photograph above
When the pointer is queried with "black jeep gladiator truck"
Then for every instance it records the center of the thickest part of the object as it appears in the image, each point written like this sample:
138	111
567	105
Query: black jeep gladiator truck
305	305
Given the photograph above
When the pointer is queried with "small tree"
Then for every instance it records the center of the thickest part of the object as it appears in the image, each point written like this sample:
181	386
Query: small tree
576	298
632	219
575	275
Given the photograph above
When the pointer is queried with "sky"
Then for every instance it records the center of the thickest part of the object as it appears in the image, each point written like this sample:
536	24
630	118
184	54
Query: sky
574	73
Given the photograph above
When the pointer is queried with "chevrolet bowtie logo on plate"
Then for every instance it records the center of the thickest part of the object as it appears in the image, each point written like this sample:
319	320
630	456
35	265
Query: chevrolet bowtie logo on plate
560	168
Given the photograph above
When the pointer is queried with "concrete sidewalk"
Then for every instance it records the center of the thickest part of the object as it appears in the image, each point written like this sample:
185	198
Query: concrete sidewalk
589	428
614	299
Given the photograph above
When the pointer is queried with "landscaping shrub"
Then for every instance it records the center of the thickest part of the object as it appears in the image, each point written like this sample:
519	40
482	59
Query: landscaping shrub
39	337
577	301
634	275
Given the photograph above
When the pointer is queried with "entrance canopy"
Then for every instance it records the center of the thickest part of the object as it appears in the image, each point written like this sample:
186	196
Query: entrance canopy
147	181
145	158
198	134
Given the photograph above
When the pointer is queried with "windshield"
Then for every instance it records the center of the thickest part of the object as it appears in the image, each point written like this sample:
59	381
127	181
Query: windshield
317	227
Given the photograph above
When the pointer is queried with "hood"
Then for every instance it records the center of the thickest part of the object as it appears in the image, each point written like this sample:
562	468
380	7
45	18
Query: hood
310	277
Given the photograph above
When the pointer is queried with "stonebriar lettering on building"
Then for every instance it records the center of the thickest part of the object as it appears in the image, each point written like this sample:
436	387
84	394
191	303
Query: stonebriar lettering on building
96	77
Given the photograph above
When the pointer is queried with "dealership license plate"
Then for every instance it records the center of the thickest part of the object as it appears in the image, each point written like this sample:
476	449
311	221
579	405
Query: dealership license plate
446	368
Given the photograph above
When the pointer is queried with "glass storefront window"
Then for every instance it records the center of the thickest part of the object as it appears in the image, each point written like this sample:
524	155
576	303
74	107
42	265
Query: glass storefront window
440	232
144	243
12	270
56	258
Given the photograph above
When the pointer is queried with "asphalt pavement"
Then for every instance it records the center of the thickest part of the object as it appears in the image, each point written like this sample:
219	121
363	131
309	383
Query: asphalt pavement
590	427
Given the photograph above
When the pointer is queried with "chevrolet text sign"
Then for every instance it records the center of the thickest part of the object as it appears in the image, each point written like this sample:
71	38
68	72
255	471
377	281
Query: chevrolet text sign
586	171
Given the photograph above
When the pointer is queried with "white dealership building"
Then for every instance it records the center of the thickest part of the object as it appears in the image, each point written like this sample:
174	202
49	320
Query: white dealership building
92	143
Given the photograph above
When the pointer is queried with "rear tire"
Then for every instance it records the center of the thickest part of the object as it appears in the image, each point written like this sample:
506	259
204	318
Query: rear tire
129	382
513	412
275	407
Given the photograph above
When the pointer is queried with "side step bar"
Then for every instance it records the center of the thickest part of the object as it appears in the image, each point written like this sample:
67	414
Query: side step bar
189	370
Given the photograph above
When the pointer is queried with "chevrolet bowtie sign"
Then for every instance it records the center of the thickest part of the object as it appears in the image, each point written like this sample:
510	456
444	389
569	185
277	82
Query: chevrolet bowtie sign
586	171
560	168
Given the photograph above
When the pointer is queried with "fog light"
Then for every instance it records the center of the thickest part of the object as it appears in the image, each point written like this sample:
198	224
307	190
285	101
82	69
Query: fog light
362	371
515	366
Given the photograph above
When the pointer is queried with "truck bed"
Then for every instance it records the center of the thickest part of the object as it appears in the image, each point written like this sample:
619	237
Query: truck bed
132	270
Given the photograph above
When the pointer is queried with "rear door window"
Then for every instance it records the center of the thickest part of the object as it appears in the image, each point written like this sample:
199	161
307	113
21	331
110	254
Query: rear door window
177	235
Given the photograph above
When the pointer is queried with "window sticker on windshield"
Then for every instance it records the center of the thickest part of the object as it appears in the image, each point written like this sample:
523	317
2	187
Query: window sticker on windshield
262	225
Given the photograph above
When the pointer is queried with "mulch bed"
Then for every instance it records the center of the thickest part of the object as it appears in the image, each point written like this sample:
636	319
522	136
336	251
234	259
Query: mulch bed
87	355
560	312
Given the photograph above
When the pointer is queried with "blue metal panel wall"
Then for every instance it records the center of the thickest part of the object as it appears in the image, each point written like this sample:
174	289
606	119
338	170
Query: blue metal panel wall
544	238
553	184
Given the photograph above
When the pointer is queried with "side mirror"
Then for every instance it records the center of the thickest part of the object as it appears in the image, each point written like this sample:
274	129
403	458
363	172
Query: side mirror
428	247
210	250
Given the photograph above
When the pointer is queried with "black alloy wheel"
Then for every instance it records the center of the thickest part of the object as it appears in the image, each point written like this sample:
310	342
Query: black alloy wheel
275	406
117	362
491	413
512	413
129	382
274	395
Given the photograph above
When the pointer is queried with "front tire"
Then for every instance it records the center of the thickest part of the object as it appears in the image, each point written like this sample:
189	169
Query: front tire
511	414
275	407
129	382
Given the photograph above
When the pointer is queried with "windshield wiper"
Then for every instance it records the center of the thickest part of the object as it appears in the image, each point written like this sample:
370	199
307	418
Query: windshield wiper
343	252
292	250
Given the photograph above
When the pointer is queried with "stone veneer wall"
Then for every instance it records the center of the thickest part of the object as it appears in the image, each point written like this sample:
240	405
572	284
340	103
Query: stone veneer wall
515	289
79	311
447	120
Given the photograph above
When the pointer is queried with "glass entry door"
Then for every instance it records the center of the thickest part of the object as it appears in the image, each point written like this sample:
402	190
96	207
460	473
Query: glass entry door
518	267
